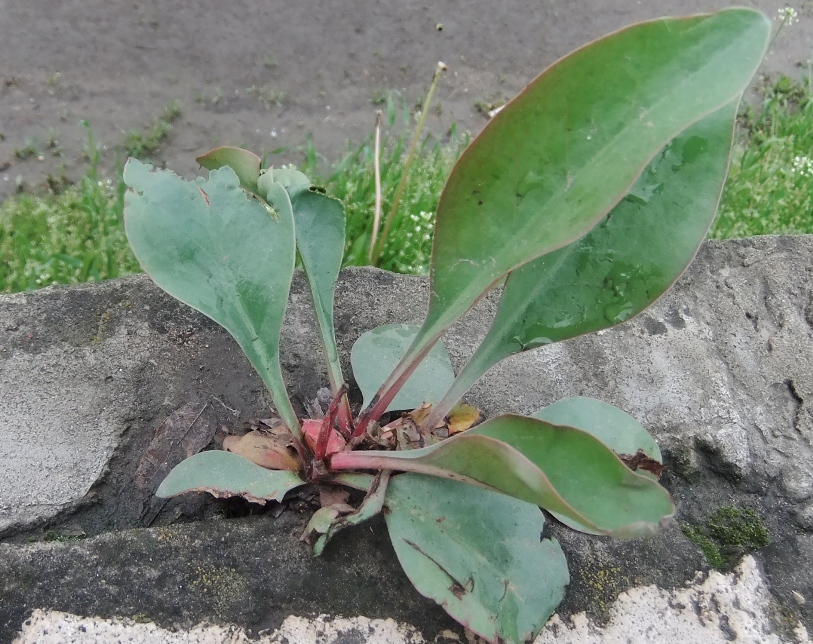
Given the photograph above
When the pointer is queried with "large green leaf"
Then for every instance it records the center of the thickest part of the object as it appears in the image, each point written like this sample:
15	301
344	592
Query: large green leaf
224	474
477	553
623	264
559	156
210	245
377	351
245	164
615	428
561	469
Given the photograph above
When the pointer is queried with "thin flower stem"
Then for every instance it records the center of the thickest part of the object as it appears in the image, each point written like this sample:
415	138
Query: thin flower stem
412	148
377	172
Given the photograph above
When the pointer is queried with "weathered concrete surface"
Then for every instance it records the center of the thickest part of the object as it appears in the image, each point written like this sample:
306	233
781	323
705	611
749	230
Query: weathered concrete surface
719	370
715	608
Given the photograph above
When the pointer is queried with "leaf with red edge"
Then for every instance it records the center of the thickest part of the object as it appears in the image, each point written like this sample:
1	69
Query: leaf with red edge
478	554
223	474
562	469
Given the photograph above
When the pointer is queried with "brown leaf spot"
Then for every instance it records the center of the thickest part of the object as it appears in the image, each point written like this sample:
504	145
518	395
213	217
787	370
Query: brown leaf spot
640	461
457	590
204	195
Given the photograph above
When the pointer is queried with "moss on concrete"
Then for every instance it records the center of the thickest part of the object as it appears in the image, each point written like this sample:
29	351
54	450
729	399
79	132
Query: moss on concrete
727	534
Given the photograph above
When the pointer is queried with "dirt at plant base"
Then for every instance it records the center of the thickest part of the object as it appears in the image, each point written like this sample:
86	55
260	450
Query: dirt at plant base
268	74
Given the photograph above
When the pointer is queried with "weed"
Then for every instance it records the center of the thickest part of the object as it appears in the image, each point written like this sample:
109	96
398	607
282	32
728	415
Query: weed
379	97
67	238
769	186
267	96
487	105
139	145
70	236
30	149
351	179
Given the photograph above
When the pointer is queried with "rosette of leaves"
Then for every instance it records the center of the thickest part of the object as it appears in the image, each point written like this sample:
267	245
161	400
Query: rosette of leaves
586	196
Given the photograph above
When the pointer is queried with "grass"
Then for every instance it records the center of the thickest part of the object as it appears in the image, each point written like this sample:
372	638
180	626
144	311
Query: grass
409	244
142	144
770	184
75	234
67	238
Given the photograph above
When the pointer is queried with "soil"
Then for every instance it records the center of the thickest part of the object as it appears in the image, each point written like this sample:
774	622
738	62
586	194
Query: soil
316	68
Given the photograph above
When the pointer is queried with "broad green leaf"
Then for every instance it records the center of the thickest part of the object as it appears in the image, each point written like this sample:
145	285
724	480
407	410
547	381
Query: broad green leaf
222	252
377	351
477	553
561	469
244	163
623	264
560	155
224	474
615	428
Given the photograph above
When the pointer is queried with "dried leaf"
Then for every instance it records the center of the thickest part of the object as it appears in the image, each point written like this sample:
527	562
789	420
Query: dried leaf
462	417
333	496
641	461
272	449
185	432
311	427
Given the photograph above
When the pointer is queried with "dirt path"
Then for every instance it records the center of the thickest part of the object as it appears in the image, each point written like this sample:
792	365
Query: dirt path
316	67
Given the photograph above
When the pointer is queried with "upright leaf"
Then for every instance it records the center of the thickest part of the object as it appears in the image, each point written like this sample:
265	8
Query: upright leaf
558	468
377	351
623	264
477	553
221	252
245	164
320	239
560	155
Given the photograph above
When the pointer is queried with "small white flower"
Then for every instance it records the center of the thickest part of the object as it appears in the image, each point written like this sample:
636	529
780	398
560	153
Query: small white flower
788	15
802	166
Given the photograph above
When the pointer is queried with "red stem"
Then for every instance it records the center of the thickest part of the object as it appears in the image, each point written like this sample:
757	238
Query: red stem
327	423
378	405
345	420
